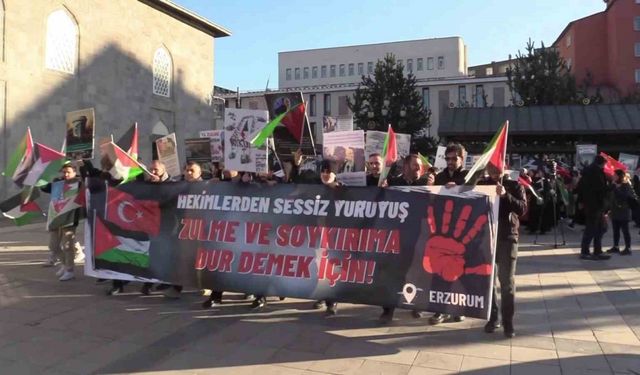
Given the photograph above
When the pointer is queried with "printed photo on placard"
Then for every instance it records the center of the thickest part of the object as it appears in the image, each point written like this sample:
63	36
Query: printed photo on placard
241	125
80	134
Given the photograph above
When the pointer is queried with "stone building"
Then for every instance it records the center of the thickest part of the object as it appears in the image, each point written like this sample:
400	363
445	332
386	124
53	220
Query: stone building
145	61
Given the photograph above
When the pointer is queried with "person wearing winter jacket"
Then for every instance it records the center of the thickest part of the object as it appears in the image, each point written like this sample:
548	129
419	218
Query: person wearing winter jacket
622	198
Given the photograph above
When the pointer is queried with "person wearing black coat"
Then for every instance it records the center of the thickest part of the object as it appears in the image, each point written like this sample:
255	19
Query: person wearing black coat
593	189
622	198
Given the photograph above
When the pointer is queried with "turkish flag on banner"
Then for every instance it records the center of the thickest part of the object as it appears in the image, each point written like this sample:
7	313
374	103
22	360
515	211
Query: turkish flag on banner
125	211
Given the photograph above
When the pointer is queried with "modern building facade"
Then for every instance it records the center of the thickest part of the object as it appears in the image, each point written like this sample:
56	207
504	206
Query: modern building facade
145	61
328	76
605	46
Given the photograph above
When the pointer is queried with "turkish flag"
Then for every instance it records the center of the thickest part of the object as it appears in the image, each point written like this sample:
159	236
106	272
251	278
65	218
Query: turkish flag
123	210
612	164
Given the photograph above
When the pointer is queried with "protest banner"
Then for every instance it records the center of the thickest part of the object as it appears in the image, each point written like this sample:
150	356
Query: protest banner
80	134
630	160
406	247
198	150
216	139
470	160
585	154
168	154
240	126
345	150
375	142
285	142
440	163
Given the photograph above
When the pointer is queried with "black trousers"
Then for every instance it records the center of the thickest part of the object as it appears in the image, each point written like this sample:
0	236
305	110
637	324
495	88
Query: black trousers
593	231
506	257
619	225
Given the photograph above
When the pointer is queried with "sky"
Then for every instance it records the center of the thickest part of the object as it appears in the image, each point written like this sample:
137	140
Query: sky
491	29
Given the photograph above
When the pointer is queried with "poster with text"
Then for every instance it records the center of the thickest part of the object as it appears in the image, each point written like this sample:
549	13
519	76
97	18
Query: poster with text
168	154
585	154
440	162
80	134
240	126
216	140
630	160
345	150
375	143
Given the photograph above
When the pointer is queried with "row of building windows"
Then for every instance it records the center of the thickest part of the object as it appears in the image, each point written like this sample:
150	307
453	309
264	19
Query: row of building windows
478	100
62	51
343	70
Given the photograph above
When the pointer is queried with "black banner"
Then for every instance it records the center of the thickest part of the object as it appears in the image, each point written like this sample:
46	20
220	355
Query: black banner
406	248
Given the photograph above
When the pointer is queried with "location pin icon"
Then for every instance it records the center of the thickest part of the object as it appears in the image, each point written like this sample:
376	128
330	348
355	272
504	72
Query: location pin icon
409	292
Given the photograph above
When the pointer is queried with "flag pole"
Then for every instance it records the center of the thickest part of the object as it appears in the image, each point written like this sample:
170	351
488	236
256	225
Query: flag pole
313	144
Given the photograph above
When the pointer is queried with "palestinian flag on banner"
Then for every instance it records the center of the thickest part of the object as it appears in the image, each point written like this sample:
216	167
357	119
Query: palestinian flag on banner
122	165
389	154
293	120
114	248
612	164
21	160
46	166
493	155
129	141
65	207
22	208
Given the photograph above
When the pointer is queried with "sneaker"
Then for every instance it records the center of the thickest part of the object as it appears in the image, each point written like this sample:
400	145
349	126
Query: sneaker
625	252
258	303
67	275
318	305
458	318
249	296
171	293
416	314
613	250
600	256
50	262
114	291
60	271
438	318
332	309
509	331
491	326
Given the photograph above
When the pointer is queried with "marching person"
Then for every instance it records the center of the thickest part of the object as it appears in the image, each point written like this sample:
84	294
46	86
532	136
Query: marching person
451	176
411	176
592	190
623	197
62	240
513	203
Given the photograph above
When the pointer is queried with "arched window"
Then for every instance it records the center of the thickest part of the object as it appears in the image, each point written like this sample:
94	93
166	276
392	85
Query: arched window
162	68
62	42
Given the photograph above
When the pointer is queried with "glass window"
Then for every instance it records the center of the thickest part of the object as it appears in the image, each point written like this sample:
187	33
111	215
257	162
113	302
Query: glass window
352	69
61	52
420	64
323	71
360	69
288	75
425	98
410	65
305	72
462	95
637	49
162	69
370	67
489	71
327	104
479	96
297	73
332	71
429	63
312	105
314	72
440	62
342	70
636	23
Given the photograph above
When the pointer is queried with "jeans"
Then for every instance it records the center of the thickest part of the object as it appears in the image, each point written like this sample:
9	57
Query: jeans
506	257
593	230
62	244
624	226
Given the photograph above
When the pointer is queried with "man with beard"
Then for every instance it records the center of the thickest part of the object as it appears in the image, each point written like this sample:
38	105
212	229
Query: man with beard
374	169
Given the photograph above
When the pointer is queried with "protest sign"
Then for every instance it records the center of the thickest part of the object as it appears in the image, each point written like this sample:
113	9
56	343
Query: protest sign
387	247
585	154
440	163
168	154
80	134
240	126
339	124
345	150
198	150
631	161
285	142
216	139
375	142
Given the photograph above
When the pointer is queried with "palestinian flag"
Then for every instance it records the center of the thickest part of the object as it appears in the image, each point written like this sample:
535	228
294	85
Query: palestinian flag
389	154
21	160
122	165
522	181
494	155
65	205
129	141
46	166
119	249
21	208
611	165
293	119
426	165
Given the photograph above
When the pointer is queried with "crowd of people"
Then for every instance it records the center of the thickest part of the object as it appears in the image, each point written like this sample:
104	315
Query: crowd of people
582	196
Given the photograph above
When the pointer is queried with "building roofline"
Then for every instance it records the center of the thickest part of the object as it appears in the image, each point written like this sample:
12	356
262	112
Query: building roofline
370	44
564	31
188	17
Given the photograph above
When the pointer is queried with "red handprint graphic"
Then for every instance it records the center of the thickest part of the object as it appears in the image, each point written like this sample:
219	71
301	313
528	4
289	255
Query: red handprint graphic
443	254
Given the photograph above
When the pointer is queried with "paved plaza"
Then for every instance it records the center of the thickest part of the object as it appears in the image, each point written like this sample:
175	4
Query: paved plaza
573	317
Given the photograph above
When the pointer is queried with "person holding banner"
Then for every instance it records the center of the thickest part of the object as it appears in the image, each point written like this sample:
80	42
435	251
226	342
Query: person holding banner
62	239
513	204
411	176
451	176
374	168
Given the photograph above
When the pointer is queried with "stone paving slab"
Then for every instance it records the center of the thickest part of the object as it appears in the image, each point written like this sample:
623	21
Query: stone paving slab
573	317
